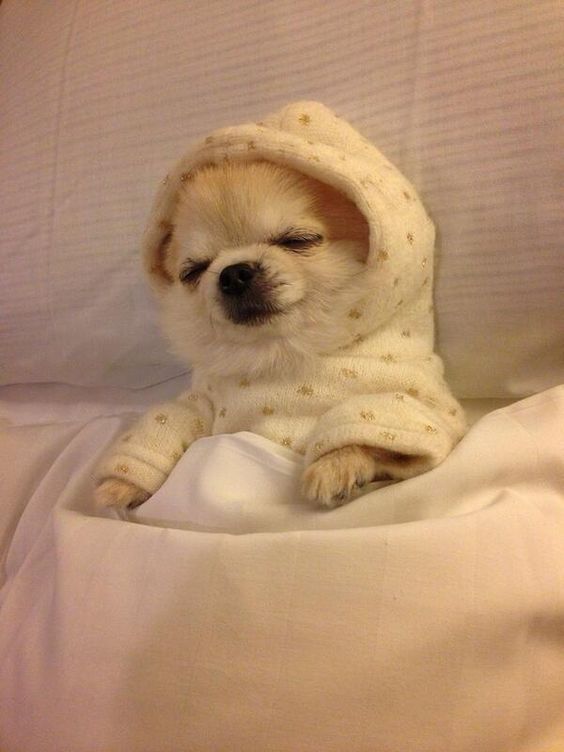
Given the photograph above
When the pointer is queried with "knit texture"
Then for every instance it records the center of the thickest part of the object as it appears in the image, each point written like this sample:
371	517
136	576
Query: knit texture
384	385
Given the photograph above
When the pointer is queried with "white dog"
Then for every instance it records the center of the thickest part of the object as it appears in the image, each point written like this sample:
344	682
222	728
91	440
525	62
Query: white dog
271	286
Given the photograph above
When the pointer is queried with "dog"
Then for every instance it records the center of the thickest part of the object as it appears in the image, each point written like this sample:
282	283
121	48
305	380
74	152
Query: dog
258	260
298	323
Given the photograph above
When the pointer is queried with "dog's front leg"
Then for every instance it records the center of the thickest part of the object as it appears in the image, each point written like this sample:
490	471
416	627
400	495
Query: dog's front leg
377	436
115	492
139	462
331	480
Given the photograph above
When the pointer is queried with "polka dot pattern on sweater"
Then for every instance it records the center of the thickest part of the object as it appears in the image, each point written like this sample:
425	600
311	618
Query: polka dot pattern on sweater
365	390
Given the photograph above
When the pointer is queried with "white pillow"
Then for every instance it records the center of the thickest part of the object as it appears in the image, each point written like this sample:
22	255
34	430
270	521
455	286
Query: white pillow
100	99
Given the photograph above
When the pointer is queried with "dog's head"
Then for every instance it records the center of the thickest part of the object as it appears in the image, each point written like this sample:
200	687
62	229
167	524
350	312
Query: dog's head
258	268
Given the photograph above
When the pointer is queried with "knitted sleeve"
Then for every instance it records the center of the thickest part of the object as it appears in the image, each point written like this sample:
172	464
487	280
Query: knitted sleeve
414	435
147	452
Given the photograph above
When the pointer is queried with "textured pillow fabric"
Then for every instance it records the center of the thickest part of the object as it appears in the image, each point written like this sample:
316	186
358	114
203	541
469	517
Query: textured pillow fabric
100	99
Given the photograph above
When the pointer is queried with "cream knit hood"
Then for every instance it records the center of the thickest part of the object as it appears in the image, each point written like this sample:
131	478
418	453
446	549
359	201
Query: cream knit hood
382	385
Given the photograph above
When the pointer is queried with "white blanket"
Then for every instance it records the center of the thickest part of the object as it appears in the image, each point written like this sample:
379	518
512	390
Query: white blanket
427	615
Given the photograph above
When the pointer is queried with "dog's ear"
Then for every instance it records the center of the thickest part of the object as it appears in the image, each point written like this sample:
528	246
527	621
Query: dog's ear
158	255
344	218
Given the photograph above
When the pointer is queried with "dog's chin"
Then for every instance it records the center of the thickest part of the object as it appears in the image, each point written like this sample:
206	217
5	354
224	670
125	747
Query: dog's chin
249	341
239	350
252	314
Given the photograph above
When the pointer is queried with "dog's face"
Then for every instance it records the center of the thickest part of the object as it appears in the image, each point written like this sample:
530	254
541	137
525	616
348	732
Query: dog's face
260	267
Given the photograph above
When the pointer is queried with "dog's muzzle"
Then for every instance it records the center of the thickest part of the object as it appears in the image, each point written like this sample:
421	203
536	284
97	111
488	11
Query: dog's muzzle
246	294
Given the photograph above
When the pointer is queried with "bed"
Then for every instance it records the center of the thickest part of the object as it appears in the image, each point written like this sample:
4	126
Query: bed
223	615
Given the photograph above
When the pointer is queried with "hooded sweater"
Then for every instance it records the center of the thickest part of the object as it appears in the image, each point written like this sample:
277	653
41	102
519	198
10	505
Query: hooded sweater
383	386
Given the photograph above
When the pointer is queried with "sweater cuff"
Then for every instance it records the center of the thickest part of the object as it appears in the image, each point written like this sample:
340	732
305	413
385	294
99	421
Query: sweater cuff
143	468
413	437
407	454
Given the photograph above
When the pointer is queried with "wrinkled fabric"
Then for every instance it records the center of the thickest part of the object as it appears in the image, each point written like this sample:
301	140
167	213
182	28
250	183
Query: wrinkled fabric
424	616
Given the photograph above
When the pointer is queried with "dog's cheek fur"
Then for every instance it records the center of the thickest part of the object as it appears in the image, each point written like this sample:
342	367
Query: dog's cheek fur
334	285
185	321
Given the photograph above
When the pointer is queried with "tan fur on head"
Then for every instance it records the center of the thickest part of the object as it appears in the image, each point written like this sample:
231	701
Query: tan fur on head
244	213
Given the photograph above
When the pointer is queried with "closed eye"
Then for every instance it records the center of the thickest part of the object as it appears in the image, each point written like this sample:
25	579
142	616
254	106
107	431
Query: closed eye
297	240
192	271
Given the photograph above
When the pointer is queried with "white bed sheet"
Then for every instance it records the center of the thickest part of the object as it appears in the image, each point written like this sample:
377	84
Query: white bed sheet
427	615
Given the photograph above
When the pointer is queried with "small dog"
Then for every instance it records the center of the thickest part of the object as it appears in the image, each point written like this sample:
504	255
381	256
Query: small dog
271	285
259	262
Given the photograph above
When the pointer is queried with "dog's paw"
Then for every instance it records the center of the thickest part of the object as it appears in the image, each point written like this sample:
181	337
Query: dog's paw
330	480
114	492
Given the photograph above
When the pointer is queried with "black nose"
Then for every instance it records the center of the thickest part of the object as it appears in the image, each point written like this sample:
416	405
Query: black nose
235	279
